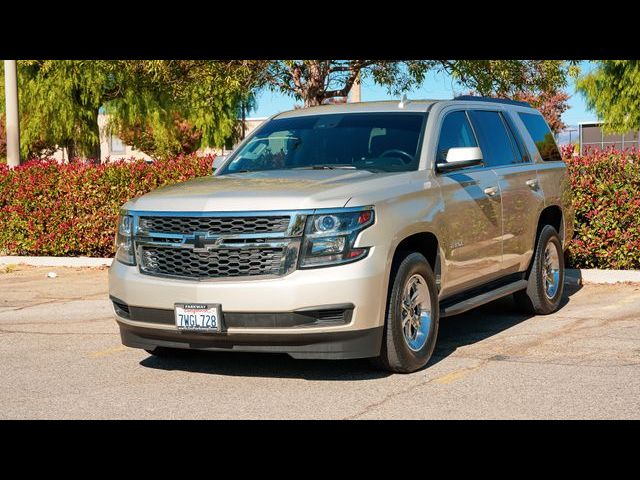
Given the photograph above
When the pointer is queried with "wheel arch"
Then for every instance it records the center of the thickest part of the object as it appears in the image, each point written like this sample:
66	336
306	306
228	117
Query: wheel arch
425	243
551	215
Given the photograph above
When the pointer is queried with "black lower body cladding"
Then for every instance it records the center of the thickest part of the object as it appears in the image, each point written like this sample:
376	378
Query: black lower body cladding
326	346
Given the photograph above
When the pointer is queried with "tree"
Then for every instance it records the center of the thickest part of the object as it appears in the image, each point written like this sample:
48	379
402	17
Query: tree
612	90
185	135
196	97
60	101
184	138
315	81
551	104
163	105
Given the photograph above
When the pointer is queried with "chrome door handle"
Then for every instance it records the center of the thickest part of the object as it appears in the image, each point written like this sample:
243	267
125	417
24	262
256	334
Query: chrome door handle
491	191
533	184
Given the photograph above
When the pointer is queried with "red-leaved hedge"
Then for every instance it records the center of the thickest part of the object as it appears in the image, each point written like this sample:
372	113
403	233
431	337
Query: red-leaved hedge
606	197
51	209
47	208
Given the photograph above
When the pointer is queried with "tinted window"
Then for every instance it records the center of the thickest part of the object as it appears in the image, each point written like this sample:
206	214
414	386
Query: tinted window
541	135
372	141
455	132
522	155
495	141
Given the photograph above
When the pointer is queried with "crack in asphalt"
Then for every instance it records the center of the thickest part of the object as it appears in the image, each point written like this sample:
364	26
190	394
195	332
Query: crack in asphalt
54	300
27	332
510	355
387	398
70	322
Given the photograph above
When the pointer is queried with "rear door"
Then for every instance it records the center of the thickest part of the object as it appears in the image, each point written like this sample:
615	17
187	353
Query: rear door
522	198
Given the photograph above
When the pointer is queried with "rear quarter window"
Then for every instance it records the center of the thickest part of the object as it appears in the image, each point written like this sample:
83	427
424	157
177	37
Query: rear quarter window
542	136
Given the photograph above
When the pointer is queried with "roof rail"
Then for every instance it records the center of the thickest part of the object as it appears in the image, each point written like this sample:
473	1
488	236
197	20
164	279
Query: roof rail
475	98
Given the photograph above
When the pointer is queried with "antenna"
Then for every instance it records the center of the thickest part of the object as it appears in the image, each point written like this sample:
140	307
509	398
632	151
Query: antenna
403	101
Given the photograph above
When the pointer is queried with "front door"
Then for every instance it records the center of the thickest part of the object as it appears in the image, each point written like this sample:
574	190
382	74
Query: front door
471	225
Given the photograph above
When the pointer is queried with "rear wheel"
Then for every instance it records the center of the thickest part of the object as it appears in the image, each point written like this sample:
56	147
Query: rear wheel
546	278
412	317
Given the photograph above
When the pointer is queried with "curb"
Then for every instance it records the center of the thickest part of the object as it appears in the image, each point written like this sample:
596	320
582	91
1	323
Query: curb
56	261
573	276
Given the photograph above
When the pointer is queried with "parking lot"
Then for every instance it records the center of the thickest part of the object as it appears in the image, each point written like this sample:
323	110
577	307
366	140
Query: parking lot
61	357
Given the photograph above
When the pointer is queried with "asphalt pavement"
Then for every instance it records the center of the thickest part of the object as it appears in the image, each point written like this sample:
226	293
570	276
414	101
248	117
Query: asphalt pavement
61	357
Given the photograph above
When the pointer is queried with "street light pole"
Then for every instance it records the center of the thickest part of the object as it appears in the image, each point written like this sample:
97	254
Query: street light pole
13	121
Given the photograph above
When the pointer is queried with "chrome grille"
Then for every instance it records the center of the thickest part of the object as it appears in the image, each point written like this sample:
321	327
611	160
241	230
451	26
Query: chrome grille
214	225
215	263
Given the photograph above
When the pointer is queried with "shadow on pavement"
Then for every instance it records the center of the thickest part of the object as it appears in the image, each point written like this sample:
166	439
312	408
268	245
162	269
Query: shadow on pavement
455	332
483	322
275	365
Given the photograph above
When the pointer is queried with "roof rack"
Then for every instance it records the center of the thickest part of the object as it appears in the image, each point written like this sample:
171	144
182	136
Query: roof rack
492	100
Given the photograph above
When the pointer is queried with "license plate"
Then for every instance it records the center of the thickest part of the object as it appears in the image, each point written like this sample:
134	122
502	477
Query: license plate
198	317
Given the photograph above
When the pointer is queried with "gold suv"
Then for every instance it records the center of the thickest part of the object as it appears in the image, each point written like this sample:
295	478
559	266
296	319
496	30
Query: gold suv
348	231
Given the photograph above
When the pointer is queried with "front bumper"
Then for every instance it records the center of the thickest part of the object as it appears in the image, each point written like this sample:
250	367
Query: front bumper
330	346
361	285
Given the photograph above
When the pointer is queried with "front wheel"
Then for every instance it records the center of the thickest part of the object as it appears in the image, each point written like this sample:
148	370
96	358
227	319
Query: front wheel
546	278
412	317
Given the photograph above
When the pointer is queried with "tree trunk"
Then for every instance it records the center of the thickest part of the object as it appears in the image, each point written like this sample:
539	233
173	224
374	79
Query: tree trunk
313	101
94	151
94	155
71	151
314	90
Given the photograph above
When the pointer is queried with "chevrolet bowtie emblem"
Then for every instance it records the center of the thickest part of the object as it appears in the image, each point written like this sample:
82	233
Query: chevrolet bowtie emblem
199	244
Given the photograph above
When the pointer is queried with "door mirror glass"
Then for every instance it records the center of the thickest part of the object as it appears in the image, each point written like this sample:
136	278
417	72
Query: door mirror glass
460	157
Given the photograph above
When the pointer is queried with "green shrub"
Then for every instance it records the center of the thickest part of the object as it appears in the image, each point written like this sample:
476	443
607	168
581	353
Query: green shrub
606	198
51	209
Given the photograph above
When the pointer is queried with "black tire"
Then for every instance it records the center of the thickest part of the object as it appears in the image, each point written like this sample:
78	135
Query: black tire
164	352
395	354
535	299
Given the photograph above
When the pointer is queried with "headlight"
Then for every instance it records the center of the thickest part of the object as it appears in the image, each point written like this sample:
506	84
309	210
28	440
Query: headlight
329	238
124	240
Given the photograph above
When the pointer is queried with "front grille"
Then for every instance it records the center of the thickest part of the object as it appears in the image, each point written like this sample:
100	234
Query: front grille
214	225
221	262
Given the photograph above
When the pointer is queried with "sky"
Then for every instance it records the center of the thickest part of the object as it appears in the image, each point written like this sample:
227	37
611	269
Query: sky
436	86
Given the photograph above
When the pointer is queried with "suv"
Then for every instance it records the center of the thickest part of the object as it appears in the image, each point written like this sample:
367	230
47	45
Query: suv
348	231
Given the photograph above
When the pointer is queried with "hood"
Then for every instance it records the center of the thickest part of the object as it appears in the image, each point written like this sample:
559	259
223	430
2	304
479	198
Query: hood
261	191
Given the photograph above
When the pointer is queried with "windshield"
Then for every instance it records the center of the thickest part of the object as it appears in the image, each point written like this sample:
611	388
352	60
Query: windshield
383	142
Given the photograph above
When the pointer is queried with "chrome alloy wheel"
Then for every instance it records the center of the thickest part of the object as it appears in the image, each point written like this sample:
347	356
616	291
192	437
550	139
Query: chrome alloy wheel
551	270
416	312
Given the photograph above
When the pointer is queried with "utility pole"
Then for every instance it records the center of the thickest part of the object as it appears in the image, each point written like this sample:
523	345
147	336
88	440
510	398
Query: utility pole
13	121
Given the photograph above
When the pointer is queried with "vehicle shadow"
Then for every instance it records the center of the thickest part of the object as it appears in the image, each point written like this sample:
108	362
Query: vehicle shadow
455	332
484	322
276	365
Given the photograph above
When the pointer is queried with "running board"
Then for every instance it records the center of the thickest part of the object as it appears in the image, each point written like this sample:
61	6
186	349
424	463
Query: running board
473	302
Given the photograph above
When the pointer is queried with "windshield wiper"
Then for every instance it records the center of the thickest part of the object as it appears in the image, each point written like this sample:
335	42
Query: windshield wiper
327	167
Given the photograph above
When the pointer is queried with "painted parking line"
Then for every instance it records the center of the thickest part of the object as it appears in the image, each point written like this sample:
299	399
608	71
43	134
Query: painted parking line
108	351
458	374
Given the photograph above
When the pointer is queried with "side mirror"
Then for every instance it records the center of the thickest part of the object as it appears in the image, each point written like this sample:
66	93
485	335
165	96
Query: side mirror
218	162
461	157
